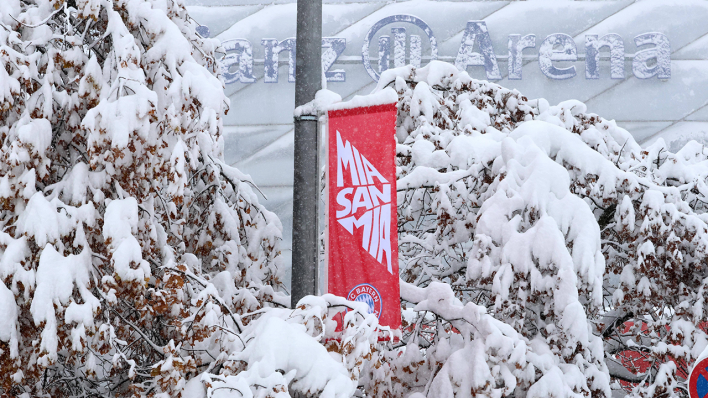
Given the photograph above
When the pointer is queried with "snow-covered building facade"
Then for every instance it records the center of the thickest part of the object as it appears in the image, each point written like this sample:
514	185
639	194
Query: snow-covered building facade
643	63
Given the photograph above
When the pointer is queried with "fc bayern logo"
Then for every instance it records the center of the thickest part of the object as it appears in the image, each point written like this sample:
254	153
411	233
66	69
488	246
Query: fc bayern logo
369	295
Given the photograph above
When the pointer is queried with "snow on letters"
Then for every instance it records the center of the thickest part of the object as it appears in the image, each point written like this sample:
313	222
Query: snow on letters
475	49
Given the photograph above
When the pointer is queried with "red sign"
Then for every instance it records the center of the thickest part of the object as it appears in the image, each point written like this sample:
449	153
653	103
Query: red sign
362	242
698	380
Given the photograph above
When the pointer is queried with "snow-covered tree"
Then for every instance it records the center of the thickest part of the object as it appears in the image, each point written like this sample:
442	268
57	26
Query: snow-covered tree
128	248
556	256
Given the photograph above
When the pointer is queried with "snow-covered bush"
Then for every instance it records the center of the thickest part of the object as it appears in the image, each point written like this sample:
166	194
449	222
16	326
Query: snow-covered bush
539	233
128	249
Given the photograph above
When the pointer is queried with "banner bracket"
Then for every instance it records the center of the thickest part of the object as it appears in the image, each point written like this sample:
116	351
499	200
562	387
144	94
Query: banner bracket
302	118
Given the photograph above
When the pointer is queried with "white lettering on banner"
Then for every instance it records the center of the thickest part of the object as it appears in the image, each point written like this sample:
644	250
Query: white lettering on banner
345	158
237	64
344	202
374	201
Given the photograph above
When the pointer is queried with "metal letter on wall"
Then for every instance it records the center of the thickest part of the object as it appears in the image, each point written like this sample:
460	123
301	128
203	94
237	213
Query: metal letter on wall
661	52
547	54
384	53
477	32
592	55
238	53
399	44
332	48
272	49
517	44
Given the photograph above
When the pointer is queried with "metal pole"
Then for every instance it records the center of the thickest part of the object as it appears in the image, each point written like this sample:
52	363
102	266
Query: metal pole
308	79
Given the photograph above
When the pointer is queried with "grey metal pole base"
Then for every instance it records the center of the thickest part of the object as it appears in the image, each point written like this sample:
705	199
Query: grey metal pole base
305	198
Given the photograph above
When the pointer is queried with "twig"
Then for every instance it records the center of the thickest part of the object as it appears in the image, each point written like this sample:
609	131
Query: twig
620	152
150	342
39	24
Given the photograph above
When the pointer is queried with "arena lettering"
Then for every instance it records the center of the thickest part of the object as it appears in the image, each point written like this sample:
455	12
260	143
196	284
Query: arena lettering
652	58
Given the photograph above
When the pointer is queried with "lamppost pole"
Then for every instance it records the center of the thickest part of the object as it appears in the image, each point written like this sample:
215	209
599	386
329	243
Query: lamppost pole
308	79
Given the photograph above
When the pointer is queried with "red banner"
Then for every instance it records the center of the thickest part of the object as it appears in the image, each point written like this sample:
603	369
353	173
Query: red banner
362	263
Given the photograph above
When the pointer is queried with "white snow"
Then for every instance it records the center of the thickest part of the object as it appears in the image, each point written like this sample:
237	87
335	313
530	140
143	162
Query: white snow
383	97
57	276
8	313
121	221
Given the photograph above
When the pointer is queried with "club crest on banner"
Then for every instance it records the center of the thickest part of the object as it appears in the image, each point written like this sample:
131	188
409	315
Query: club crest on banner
366	201
369	295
